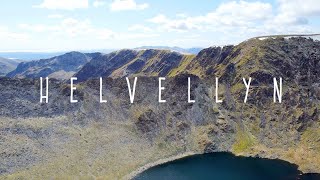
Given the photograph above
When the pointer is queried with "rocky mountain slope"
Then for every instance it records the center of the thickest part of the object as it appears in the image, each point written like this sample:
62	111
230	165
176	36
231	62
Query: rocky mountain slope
109	140
59	67
150	62
8	65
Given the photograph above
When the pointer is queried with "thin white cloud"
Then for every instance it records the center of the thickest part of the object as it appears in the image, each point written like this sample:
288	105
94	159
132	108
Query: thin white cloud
233	14
243	10
230	22
6	34
124	36
123	5
159	19
55	16
181	15
177	24
63	4
300	7
77	29
71	28
39	28
245	19
296	12
139	27
99	3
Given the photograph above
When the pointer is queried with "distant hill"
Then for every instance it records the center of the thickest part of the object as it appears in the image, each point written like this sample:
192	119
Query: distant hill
7	65
194	50
59	67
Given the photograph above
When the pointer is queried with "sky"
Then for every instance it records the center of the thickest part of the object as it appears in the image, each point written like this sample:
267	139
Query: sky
63	25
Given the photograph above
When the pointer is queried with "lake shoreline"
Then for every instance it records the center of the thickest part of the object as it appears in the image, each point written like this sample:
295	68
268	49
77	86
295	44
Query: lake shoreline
158	162
290	167
143	168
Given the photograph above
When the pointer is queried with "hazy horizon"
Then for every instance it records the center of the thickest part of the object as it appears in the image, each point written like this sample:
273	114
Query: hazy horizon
66	25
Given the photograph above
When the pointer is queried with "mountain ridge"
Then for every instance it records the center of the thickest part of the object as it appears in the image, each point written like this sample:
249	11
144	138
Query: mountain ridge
60	67
117	137
150	62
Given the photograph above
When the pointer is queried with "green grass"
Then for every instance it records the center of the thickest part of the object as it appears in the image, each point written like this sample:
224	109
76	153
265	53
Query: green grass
244	141
182	67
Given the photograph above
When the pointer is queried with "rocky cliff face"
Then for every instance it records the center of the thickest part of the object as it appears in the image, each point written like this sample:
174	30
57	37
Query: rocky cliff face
109	140
59	67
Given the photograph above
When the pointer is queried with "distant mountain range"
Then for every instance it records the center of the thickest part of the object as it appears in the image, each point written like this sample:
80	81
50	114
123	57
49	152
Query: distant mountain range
150	62
46	55
36	64
194	50
8	65
155	61
27	56
59	67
